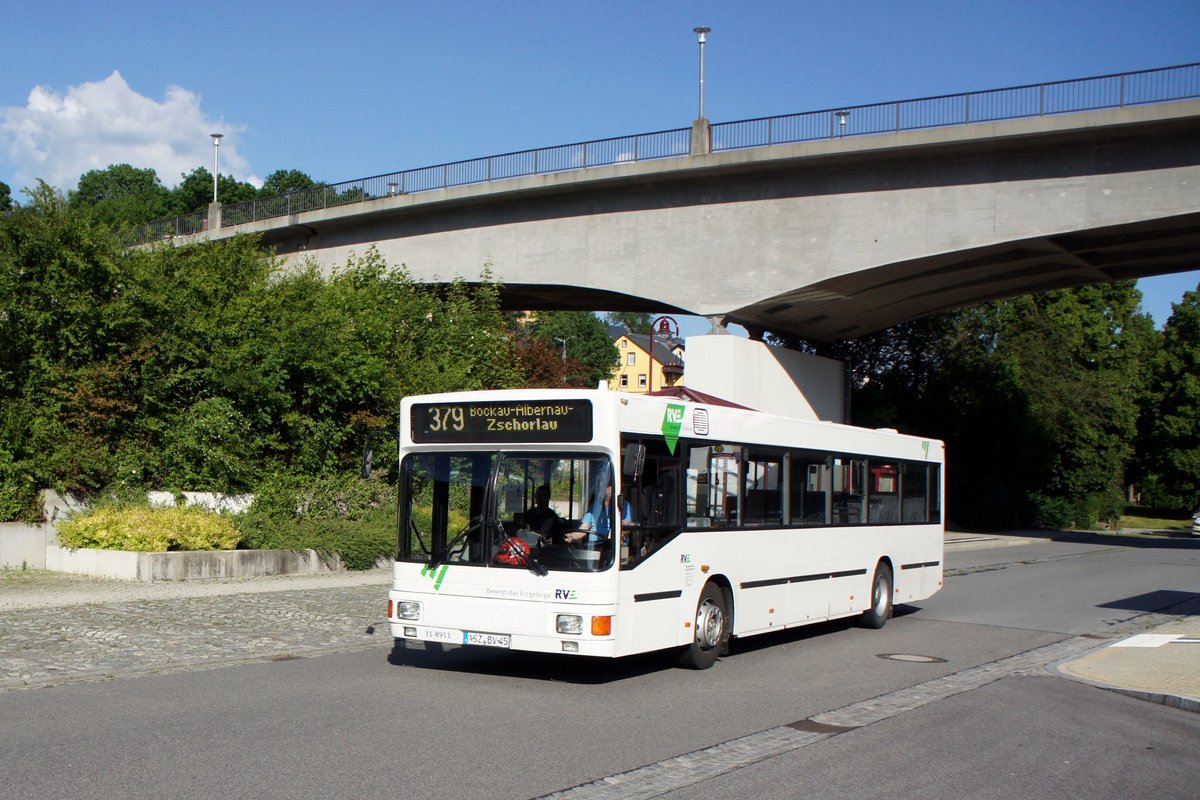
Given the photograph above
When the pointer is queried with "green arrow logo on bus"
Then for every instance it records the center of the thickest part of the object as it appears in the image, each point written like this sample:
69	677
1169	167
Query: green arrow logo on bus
672	423
426	572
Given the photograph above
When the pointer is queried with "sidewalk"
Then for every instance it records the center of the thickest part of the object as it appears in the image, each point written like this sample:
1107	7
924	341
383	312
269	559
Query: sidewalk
58	628
1161	663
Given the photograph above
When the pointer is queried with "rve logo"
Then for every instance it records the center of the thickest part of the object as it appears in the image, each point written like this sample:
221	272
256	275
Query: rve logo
564	594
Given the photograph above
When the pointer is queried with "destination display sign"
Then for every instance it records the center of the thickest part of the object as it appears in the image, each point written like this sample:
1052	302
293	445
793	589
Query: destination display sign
502	421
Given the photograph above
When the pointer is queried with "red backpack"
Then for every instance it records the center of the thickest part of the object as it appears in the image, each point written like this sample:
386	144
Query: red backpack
513	551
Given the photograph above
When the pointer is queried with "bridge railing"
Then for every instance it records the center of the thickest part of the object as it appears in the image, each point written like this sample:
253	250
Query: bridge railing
185	225
1039	99
1083	94
621	149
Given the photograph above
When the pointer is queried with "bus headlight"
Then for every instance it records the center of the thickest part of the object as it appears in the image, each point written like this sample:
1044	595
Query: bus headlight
408	609
569	623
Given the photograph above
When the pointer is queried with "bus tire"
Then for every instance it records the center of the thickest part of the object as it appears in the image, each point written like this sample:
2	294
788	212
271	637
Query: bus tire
881	598
711	628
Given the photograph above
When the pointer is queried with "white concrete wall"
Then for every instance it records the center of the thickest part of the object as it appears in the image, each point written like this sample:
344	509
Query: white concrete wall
186	566
23	546
770	379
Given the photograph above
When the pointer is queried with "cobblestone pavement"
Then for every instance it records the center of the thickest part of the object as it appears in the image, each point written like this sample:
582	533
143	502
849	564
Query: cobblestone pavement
61	628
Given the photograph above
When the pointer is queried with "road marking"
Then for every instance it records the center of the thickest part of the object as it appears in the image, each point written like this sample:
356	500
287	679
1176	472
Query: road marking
1148	640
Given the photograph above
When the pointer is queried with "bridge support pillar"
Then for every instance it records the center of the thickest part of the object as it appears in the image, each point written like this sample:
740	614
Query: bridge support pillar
701	137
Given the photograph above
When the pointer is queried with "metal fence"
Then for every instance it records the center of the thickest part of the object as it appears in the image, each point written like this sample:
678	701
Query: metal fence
641	147
1040	99
1084	94
186	225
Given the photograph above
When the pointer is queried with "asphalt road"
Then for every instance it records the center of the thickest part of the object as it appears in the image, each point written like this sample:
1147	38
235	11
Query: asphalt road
973	708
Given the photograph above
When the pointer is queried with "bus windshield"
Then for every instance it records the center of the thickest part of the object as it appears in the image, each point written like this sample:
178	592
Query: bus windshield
538	511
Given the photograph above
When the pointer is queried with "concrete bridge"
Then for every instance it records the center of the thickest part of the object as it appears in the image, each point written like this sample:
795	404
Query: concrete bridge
826	239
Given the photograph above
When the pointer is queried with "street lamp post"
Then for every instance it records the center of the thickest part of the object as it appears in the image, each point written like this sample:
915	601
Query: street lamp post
666	326
216	140
563	342
702	33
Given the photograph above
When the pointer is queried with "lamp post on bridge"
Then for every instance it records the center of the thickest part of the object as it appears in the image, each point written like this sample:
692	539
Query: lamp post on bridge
214	208
216	140
701	143
702	33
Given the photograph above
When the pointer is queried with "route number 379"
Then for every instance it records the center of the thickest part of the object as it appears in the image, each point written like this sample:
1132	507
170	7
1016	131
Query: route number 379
446	418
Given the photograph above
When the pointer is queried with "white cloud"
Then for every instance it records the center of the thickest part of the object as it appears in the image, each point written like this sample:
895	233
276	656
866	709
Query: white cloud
58	137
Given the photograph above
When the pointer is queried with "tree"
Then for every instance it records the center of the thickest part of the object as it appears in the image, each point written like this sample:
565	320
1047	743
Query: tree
6	202
634	321
121	195
542	364
1170	451
585	338
1035	396
198	367
285	180
195	191
65	325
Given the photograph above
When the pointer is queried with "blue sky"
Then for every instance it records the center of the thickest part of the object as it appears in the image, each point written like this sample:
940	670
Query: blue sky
352	89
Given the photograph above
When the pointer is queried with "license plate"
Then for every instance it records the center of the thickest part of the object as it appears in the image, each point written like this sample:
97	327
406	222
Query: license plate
486	639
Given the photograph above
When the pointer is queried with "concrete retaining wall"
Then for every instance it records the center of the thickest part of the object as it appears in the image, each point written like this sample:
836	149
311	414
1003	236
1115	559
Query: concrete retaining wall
23	546
186	566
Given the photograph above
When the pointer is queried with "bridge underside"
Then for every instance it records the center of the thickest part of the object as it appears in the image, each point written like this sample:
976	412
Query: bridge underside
852	305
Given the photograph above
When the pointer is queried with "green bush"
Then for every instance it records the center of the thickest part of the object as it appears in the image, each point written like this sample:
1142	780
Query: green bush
1055	513
1084	513
341	514
360	543
210	447
151	530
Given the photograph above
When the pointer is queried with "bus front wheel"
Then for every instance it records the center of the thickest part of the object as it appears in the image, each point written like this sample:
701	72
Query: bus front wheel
881	598
711	629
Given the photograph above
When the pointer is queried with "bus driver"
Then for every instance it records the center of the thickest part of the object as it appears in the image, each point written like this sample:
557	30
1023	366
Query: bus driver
595	527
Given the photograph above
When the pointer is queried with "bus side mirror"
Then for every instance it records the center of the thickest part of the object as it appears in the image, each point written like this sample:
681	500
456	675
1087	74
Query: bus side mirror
368	460
368	456
631	464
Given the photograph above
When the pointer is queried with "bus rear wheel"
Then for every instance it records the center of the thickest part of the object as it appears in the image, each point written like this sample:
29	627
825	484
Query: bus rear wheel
881	598
711	629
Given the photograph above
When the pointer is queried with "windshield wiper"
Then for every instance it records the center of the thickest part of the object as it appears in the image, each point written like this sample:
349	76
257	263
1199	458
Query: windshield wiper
535	566
437	560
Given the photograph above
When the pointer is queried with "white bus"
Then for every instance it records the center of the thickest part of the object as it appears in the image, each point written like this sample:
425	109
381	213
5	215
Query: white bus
727	522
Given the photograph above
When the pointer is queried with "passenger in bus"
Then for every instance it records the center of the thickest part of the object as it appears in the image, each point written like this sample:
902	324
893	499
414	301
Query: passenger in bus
596	527
541	519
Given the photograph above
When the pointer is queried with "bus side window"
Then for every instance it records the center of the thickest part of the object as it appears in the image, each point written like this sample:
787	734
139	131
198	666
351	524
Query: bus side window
809	484
763	492
884	488
712	481
849	477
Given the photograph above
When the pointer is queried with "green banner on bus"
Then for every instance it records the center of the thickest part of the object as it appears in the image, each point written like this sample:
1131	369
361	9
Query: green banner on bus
672	424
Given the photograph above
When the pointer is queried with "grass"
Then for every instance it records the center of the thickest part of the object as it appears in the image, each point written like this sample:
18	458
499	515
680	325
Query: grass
15	575
1156	523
